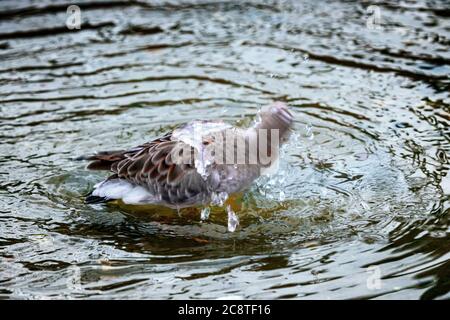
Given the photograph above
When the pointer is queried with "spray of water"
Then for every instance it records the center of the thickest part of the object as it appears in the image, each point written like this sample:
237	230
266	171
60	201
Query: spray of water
233	220
204	215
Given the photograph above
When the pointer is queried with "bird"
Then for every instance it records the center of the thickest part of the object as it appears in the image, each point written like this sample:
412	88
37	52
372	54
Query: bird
198	163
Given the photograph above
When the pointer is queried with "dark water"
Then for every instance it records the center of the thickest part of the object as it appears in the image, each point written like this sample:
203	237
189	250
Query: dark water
359	208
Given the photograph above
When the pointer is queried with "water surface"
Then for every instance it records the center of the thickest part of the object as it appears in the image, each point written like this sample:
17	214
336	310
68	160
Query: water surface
363	188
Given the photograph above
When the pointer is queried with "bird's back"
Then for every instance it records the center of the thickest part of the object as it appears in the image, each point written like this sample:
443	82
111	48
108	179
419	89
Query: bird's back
190	165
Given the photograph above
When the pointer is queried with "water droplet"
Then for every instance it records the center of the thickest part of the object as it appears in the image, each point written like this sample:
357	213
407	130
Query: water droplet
233	220
204	215
364	205
309	132
219	199
193	134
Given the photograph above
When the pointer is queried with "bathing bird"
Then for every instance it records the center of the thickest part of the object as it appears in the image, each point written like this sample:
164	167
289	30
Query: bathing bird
198	163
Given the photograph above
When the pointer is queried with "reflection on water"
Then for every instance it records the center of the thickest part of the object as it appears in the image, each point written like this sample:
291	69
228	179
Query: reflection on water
358	209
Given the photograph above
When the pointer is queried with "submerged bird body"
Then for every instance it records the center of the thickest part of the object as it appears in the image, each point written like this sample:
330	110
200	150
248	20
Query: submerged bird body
195	164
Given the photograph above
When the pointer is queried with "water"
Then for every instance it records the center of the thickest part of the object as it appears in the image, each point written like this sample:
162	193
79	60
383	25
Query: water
193	135
358	209
204	214
233	220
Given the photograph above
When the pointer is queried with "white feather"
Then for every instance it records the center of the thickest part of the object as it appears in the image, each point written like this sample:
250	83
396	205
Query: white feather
138	195
126	191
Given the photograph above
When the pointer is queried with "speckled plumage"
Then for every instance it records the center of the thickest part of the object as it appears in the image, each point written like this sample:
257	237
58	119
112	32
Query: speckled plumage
177	171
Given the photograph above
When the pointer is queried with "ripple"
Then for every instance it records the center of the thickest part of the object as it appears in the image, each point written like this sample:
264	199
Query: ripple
363	184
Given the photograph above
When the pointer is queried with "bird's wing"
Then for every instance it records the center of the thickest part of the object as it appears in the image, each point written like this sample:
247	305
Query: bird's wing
152	165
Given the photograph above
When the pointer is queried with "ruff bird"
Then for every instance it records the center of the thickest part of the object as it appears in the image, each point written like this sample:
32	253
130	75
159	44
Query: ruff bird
195	164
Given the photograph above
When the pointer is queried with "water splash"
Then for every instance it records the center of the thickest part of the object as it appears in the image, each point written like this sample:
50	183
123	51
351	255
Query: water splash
193	134
258	118
202	164
233	220
204	215
219	198
308	131
305	58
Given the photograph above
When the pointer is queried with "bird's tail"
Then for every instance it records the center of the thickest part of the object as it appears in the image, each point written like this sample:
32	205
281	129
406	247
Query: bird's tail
102	160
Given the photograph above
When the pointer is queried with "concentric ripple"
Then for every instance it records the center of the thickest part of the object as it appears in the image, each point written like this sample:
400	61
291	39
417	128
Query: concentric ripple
358	209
